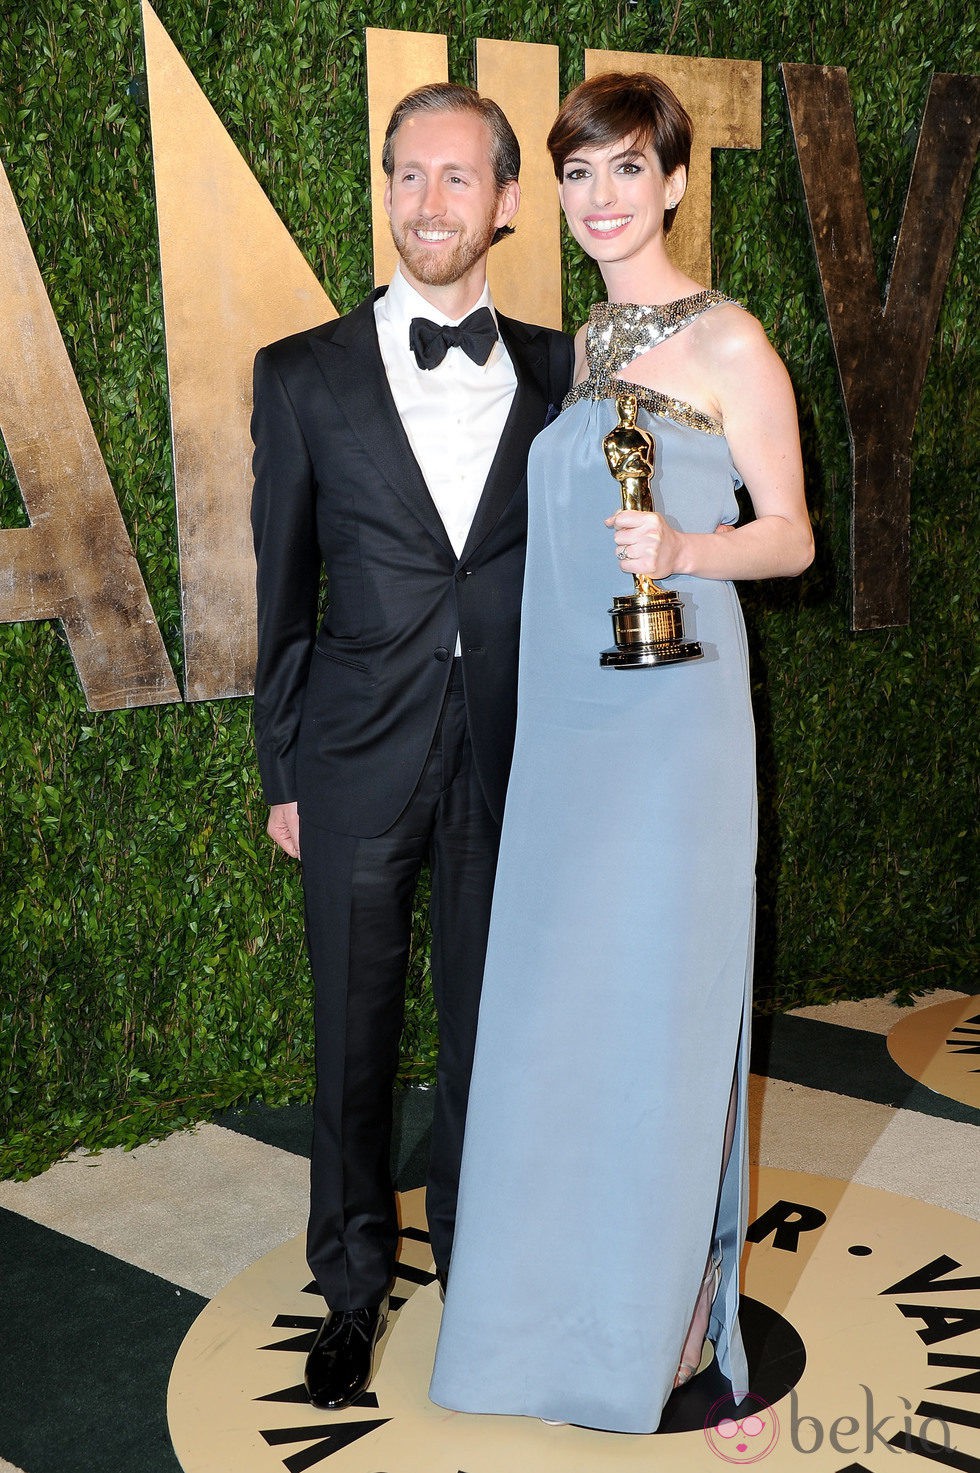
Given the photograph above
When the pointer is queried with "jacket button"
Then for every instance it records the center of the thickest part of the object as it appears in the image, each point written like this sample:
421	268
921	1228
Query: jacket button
442	653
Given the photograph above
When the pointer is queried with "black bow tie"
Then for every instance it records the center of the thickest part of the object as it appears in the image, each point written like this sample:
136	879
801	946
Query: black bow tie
476	336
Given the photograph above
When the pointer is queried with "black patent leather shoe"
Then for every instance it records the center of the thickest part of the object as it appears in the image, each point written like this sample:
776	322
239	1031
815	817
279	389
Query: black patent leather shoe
339	1367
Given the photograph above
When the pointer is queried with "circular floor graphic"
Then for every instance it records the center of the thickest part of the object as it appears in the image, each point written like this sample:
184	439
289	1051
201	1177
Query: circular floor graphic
940	1047
862	1323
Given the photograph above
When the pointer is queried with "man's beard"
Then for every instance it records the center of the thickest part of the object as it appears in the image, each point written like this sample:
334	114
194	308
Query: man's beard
447	266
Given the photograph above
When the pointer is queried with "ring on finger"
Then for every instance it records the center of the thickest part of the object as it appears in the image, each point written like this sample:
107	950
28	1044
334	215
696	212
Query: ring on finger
623	554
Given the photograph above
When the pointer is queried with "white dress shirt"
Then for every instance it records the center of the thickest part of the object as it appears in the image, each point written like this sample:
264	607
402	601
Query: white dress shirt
453	415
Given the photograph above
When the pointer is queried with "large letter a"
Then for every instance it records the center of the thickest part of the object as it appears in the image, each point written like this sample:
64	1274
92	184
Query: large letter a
233	280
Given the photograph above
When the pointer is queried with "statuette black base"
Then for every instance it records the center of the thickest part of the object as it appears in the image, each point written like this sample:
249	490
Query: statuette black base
641	657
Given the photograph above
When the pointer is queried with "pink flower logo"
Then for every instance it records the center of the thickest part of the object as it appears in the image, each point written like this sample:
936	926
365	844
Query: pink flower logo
741	1429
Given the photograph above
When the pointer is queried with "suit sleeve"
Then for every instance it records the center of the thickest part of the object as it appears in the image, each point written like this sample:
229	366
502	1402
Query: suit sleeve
562	367
287	576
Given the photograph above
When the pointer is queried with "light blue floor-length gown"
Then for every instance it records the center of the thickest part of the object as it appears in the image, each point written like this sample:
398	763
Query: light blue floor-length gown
616	993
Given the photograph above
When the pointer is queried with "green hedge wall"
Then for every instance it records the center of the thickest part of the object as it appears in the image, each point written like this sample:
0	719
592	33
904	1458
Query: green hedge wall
151	963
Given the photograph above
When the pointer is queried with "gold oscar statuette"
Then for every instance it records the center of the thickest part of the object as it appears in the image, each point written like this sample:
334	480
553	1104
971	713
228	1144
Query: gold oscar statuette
647	624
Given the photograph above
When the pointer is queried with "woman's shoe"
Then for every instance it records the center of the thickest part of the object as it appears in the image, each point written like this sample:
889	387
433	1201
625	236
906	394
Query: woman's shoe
697	1333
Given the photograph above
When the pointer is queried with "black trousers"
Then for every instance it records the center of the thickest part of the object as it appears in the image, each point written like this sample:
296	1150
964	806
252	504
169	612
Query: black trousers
359	895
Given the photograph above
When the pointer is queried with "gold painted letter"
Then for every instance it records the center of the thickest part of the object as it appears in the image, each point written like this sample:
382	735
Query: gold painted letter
75	562
233	280
525	273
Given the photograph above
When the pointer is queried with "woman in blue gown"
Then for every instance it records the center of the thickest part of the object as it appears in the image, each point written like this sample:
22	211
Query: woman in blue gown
602	1198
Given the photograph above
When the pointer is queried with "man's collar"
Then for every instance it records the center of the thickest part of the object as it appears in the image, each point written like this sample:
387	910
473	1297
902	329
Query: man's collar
401	302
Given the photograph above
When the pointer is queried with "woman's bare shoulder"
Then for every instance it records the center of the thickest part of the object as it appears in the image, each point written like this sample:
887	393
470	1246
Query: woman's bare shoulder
730	328
729	340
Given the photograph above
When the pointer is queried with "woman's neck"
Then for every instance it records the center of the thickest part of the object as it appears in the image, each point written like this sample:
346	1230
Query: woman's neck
645	283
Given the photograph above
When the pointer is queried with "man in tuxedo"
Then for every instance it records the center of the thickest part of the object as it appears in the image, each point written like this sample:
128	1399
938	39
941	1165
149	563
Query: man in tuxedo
390	454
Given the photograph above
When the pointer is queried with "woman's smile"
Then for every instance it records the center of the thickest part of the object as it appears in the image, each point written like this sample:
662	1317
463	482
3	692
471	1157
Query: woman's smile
606	225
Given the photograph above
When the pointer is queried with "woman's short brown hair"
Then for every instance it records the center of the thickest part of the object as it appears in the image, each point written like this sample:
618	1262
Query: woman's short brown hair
615	105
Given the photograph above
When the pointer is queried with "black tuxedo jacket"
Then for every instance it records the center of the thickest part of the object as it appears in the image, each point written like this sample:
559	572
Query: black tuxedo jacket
345	713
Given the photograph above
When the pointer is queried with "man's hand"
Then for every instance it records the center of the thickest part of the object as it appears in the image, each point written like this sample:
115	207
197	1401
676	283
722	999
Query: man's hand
283	826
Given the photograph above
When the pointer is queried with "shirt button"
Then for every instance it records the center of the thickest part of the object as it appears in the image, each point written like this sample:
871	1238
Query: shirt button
442	653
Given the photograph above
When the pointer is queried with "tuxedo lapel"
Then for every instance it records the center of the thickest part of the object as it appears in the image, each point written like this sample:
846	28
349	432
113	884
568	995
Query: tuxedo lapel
528	353
350	361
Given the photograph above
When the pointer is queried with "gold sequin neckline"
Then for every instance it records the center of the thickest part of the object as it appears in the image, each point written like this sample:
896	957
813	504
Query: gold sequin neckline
619	332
